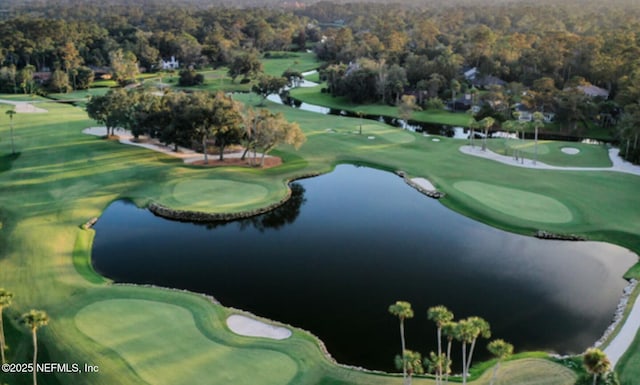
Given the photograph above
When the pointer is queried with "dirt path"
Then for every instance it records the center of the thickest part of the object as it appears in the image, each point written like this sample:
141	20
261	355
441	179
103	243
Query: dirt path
187	155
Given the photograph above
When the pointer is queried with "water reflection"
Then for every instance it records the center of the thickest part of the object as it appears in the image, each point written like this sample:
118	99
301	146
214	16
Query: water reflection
359	239
275	219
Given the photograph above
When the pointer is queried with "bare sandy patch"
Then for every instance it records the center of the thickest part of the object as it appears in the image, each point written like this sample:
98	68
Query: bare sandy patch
570	150
24	107
424	183
250	327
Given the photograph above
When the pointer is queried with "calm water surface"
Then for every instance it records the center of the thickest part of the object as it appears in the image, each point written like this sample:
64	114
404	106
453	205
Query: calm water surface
354	241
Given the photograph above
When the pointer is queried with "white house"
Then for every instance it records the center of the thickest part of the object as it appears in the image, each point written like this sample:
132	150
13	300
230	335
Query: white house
471	74
170	64
526	115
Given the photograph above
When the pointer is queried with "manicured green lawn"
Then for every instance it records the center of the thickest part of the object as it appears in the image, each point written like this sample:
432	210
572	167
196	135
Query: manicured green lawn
315	77
80	97
521	204
313	95
137	333
61	178
550	152
277	62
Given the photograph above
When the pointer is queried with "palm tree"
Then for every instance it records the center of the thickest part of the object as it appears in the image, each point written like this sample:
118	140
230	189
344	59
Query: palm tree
538	122
35	319
501	350
596	363
411	362
465	333
402	310
473	124
481	329
468	331
441	316
6	298
508	126
486	123
438	364
455	88
11	113
450	330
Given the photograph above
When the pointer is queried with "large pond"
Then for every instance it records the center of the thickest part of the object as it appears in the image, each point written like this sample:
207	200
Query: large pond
350	243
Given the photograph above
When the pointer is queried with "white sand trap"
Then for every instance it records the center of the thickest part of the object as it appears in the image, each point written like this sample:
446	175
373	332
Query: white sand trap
570	150
24	107
425	184
250	327
371	137
435	140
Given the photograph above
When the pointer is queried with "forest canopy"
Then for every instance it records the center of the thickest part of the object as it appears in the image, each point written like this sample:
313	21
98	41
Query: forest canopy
375	50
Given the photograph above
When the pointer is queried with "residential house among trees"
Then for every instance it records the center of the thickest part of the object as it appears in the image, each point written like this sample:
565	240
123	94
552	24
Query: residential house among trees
170	64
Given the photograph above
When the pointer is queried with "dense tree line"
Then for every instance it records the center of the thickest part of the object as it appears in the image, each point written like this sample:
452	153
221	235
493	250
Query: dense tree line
71	37
543	55
195	36
375	51
196	120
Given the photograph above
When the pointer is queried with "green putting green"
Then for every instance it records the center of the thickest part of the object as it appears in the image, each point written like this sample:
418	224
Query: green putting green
203	193
527	372
518	203
149	336
557	153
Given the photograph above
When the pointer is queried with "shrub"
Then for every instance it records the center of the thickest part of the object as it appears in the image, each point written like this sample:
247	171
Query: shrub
190	78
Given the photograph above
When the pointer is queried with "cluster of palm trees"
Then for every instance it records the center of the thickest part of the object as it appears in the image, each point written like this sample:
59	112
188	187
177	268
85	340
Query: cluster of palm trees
537	122
34	319
467	331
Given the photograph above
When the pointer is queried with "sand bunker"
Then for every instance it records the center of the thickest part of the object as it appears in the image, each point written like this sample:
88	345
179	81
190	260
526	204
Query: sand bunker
424	183
570	150
250	327
24	107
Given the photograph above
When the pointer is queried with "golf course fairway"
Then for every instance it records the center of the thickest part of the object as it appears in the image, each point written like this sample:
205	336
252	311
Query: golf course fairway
60	178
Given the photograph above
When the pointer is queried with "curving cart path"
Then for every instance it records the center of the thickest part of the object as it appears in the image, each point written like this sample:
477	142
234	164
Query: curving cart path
628	331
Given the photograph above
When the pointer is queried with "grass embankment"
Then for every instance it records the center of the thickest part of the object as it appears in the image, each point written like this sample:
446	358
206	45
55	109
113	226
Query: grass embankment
61	178
313	95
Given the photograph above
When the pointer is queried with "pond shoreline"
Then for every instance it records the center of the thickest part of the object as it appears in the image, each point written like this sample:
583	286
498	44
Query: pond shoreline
204	217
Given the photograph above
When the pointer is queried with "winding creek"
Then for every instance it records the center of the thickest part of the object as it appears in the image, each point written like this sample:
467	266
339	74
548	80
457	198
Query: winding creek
353	241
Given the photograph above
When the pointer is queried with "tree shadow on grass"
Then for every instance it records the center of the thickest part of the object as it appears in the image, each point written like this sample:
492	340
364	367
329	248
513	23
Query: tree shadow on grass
6	161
